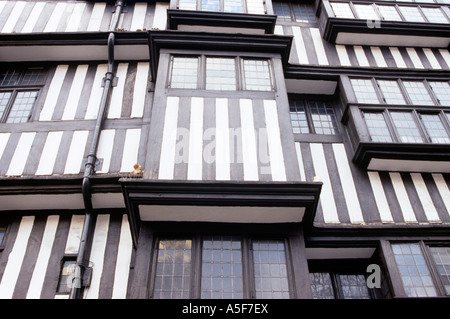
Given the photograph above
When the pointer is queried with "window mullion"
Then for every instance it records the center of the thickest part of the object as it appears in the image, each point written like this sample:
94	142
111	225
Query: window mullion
432	269
390	124
196	266
248	275
9	106
418	118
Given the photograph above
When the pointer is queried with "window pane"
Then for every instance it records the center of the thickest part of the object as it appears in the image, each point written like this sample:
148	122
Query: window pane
298	116
389	13
281	9
271	280
173	269
233	6
304	13
187	4
435	15
222	268
220	74
411	14
321	285
323	117
378	129
21	109
210	5
34	76
441	257
66	276
4	98
366	12
435	129
406	127
184	73
354	287
257	75
342	10
2	234
365	92
442	91
9	77
413	270
391	92
255	6
418	93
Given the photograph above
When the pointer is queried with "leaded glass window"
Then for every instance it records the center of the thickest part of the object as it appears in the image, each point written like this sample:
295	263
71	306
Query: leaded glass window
435	15
282	10
19	90
220	74
304	13
413	270
210	5
321	285
366	12
233	6
354	286
365	91
391	92
406	127
418	93
435	128
377	127
270	268
323	117
222	268
184	73
257	75
187	4
342	10
411	14
389	13
315	116
298	117
442	91
441	257
66	276
173	269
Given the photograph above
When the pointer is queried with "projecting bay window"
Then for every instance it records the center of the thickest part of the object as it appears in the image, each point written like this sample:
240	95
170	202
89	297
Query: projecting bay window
220	73
216	267
19	90
400	92
424	268
234	6
407	126
389	12
399	124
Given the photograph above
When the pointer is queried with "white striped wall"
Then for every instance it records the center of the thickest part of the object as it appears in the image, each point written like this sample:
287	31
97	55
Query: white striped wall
242	141
309	48
39	286
62	16
315	160
127	144
65	104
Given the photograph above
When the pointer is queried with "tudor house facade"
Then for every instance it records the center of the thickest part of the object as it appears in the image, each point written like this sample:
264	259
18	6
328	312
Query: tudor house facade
282	148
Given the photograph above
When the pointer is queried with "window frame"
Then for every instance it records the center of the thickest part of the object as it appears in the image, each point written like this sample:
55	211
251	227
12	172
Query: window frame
397	8
239	74
400	82
248	274
416	115
336	267
198	7
429	261
293	20
19	88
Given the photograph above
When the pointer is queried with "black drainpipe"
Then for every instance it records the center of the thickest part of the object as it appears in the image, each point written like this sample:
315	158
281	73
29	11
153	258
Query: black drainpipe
89	221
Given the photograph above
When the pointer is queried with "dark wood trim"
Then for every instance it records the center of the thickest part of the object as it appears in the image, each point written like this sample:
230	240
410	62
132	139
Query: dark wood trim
201	193
177	17
366	151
